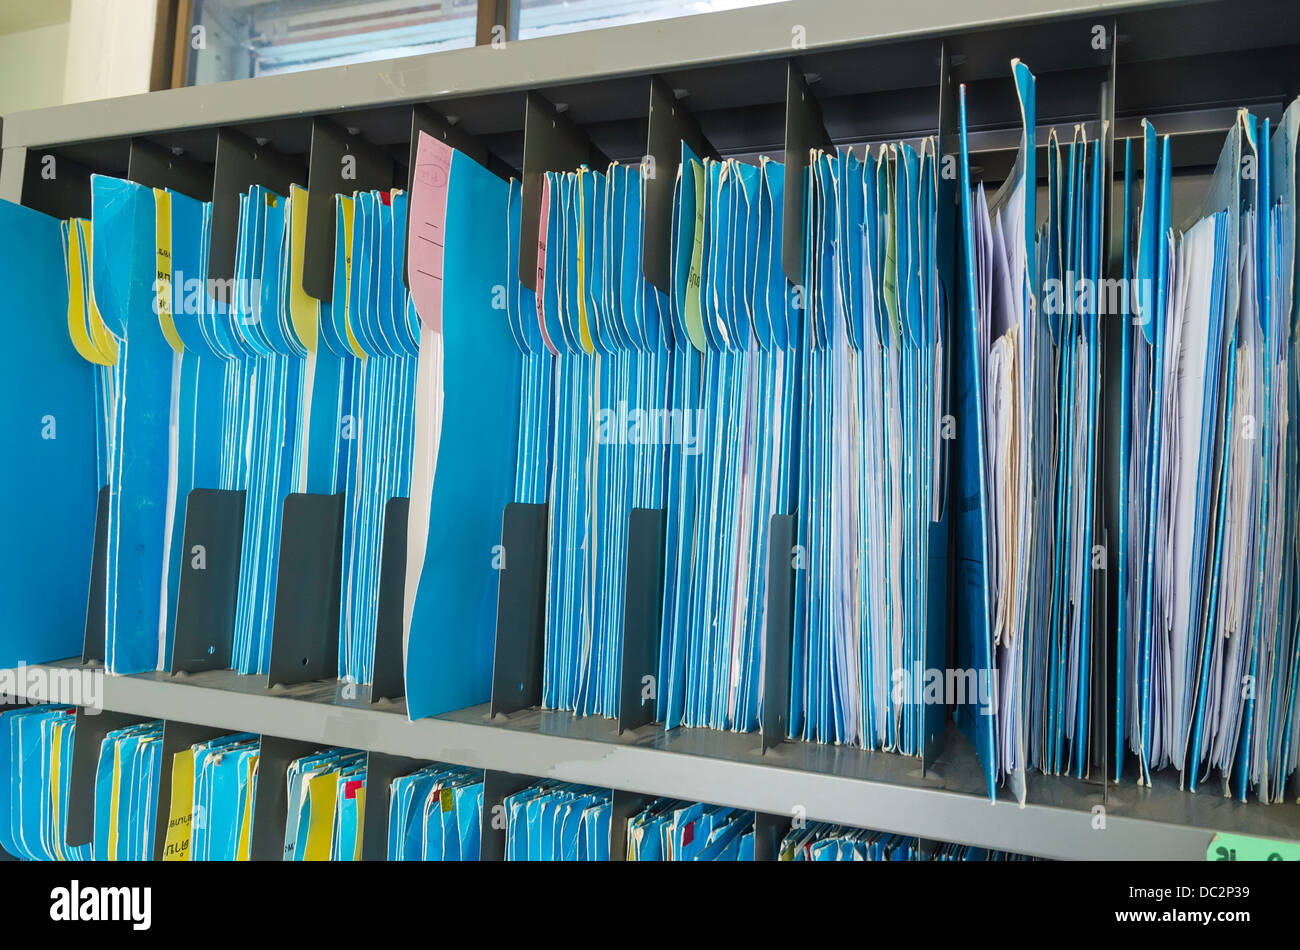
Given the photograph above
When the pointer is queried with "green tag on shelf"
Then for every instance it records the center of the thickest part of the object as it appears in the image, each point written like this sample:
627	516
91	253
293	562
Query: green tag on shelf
1245	848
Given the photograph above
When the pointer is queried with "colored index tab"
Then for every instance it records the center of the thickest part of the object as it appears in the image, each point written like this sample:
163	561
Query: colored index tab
694	320
543	223
304	310
425	229
163	284
177	845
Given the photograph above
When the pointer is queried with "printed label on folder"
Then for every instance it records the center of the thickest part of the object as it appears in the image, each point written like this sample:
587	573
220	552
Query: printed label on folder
177	846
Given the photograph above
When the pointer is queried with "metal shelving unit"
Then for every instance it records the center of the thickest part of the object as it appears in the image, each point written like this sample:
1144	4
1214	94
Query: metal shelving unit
875	68
823	783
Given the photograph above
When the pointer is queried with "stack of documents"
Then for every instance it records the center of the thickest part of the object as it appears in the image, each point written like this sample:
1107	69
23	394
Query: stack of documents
126	792
732	384
826	842
465	427
214	785
113	322
871	494
372	333
435	814
601	322
557	822
1028	381
36	750
667	830
1063	340
1208	634
326	803
1006	468
265	391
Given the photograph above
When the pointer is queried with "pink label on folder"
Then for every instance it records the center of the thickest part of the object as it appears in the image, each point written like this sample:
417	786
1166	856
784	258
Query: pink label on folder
428	216
350	787
543	219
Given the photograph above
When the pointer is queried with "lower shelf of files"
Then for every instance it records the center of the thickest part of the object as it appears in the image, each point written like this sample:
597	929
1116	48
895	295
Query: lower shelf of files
1062	818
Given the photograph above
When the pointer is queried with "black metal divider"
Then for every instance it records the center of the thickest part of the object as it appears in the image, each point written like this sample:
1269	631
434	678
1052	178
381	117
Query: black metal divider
521	610
804	131
775	717
55	185
338	163
308	588
177	737
551	144
91	727
388	679
768	832
934	715
381	769
1107	599
623	805
240	164
156	167
643	593
271	803
494	822
94	649
203	638
671	124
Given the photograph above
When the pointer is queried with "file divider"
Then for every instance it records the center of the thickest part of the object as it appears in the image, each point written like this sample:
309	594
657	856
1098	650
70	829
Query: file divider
643	592
271	802
521	610
240	164
941	555
308	585
91	727
775	716
55	185
1100	716
388	679
551	144
209	581
804	131
381	769
769	830
623	805
671	124
176	737
329	173
494	822
1110	448
157	167
94	647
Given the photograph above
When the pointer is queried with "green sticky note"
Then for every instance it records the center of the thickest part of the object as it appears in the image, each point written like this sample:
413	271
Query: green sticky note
1246	848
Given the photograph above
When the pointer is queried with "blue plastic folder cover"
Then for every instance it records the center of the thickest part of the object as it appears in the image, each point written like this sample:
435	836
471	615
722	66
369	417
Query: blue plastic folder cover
47	484
125	262
455	266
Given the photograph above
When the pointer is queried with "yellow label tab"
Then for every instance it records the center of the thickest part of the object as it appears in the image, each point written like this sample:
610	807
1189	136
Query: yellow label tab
181	813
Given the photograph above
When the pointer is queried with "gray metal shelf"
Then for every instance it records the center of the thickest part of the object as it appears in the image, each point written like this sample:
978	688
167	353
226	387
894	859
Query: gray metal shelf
823	783
731	64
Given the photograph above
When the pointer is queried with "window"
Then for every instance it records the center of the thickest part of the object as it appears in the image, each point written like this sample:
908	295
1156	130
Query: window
238	39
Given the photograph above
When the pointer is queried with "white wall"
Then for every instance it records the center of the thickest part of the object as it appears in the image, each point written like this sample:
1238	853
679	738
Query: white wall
32	64
110	48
